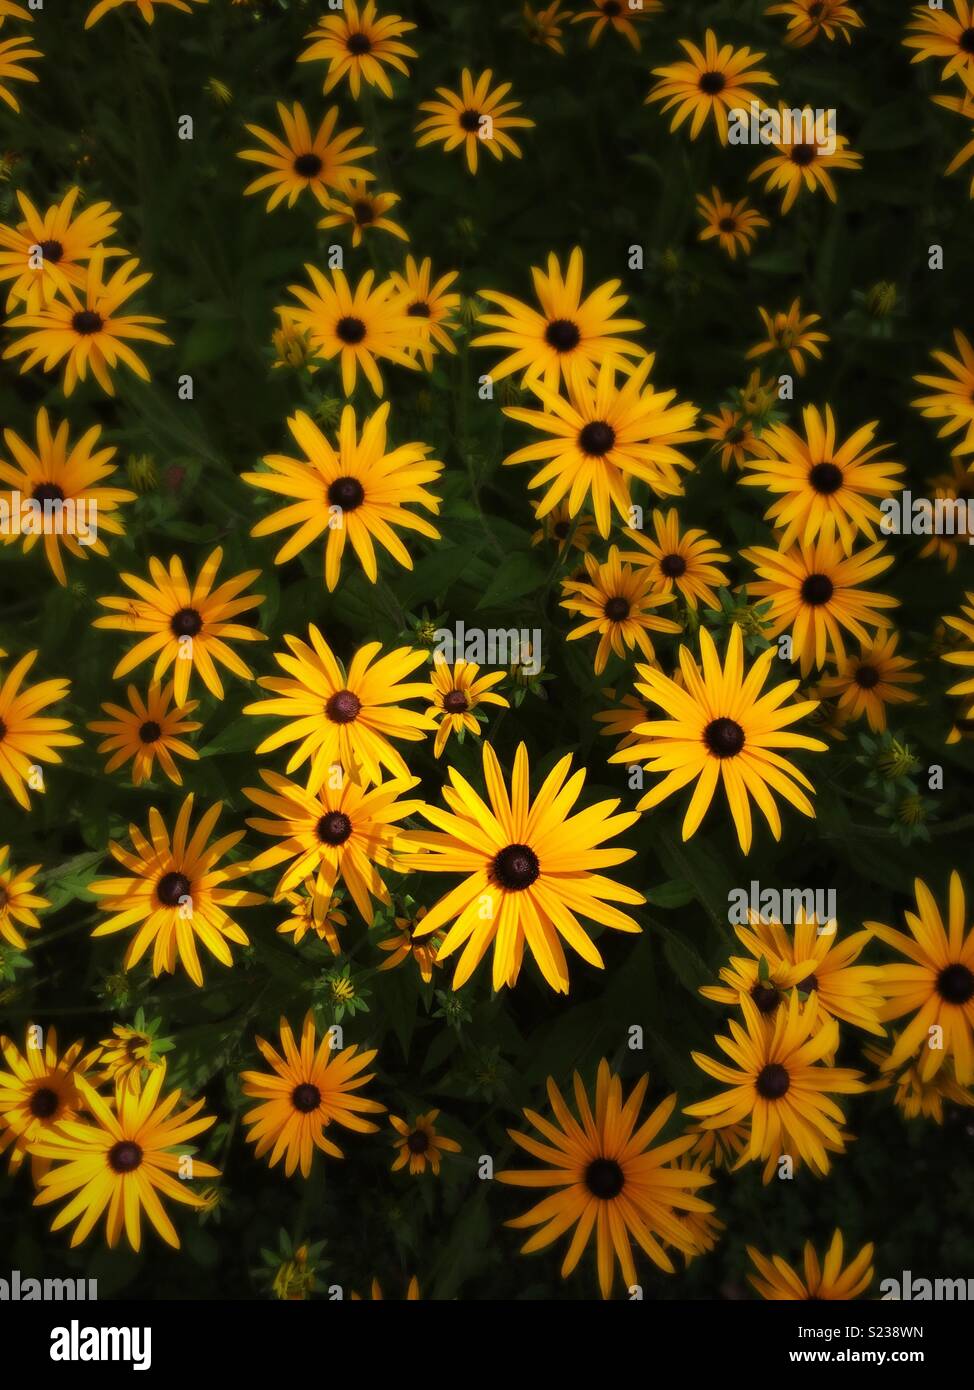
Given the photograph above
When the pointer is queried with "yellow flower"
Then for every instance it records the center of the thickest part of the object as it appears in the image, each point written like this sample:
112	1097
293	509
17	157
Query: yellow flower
735	225
619	15
128	1055
802	163
404	944
917	1096
565	530
733	433
323	162
953	398
940	35
27	738
807	19
358	44
965	655
827	1281
456	691
149	729
617	603
45	252
544	26
306	917
866	683
14	53
685	563
38	1090
790	333
475	116
18	900
419	1143
714	81
431	303
361	210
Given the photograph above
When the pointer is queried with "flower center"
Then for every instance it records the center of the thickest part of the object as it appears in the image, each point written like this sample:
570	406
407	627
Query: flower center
604	1178
562	335
186	622
358	44
724	737
817	589
455	702
150	731
125	1156
766	997
825	477
343	707
712	82
727	224
611	7
616	609
418	1142
3	729
867	677
86	322
364	212
419	310
803	155
51	251
4	897
816	9
306	1097
809	985
955	984
596	438
773	1081
516	868
561	529
673	565
308	165
43	1103
334	828
347	493
48	492
470	121
171	888
350	330
966	41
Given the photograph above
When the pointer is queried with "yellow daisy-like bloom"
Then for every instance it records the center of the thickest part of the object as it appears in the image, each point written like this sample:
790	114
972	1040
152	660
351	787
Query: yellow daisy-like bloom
953	398
686	563
821	483
189	626
814	591
38	1090
306	917
790	333
566	531
14	53
404	945
733	434
340	832
455	692
322	163
359	44
476	115
603	436
358	492
866	683
622	720
45	252
174	893
544	26
722	1148
780	1082
362	210
18	900
617	603
722	729
608	1180
812	959
148	729
961	106
963	657
620	16
530	870
84	330
420	1144
570	337
915	1096
938	34
145	8
308	1088
807	19
26	737
709	82
800	164
937	987
128	1056
412	1292
62	482
360	327
343	721
955	488
735	225
121	1164
431	303
825	1281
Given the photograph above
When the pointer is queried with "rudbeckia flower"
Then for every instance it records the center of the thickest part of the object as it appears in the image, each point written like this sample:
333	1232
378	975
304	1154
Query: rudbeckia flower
419	1143
709	82
685	563
790	333
404	945
145	8
359	44
544	26
865	683
38	1089
189	625
943	36
802	164
733	434
323	163
807	19
476	115
359	492
9	9
953	395
363	210
608	1181
735	225
26	737
530	871
148	729
432	303
568	532
457	691
18	900
65	242
917	1096
820	1281
616	602
14	53
965	656
618	15
323	920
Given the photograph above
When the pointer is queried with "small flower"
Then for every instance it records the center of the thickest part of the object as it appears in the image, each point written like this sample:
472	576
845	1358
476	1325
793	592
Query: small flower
420	1144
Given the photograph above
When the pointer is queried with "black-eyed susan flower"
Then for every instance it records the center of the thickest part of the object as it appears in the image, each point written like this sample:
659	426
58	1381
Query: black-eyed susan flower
820	482
38	1089
342	832
791	334
432	303
404	945
964	655
618	15
456	692
359	44
620	722
608	1180
84	329
946	37
360	327
19	903
686	563
810	958
322	163
147	729
62	485
131	1053
801	163
530	870
709	82
869	680
961	106
124	1161
189	626
721	1148
780	1083
733	435
14	53
814	592
720	728
617	602
917	1096
174	893
953	395
808	19
28	738
604	435
475	116
564	530
359	490
362	210
323	920
420	1143
571	335
47	251
545	26
343	721
735	225
310	1086
937	987
819	1281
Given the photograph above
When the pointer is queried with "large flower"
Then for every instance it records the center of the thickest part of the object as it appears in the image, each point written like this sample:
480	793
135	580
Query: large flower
476	115
530	870
709	82
45	252
616	601
826	1281
359	44
28	738
323	162
38	1089
937	34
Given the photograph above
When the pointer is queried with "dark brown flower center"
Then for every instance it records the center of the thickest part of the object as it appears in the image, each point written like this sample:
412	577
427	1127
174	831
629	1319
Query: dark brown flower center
816	9
51	251
149	732
966	41
125	1156
673	565
334	828
347	493
419	310
611	7
171	888
186	622
596	438
562	335
455	702
470	120
418	1142
727	224
817	589
772	1081
616	609
803	155
357	44
48	492
766	997
363	211
43	1103
308	165
515	868
825	478
86	321
343	707
955	984
306	1097
724	737
604	1178
867	677
350	330
712	82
